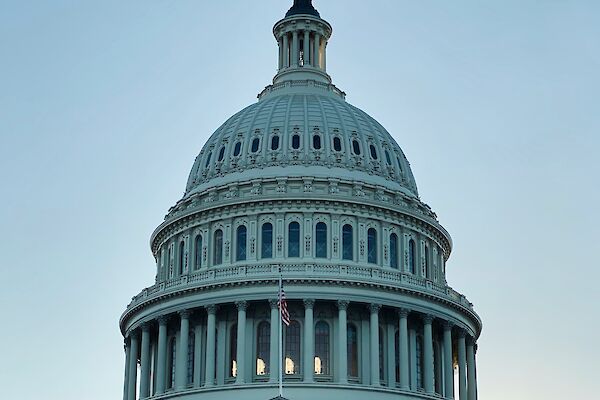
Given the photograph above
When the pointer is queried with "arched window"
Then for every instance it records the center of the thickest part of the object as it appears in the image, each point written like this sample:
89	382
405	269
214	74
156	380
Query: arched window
218	247
198	261
321	240
356	147
221	154
294	239
181	257
381	355
427	270
208	160
295	142
241	243
347	243
274	142
394	251
233	351
399	164
322	349
317	142
190	356
373	152
267	241
292	348
263	348
372	246
412	262
237	149
352	349
255	144
171	363
170	261
337	143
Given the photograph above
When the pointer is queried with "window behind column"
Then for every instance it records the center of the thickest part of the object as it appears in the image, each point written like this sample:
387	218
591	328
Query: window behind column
322	349
191	352
292	348
233	351
171	363
352	349
267	241
381	355
263	348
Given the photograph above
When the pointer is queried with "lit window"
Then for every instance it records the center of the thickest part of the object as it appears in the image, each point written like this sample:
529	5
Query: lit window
233	351
292	348
322	349
263	348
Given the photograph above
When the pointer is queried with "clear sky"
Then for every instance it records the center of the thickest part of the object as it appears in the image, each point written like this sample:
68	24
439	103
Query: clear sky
105	104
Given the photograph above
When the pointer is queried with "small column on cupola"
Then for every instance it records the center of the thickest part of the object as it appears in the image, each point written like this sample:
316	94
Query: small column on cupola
302	39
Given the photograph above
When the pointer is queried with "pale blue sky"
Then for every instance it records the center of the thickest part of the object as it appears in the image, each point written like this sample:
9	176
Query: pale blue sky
105	104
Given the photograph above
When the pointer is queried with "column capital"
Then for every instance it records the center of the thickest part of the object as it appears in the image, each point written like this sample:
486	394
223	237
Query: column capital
273	303
471	341
309	303
185	314
427	319
133	334
162	319
374	308
241	305
403	312
448	325
342	304
211	308
145	327
461	333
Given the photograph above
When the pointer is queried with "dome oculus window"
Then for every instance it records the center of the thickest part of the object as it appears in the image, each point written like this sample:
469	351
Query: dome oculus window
255	144
337	144
373	152
317	142
275	143
221	154
237	149
295	142
356	147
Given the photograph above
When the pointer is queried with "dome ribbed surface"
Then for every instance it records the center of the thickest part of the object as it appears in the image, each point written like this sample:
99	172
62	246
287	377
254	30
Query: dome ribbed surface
229	154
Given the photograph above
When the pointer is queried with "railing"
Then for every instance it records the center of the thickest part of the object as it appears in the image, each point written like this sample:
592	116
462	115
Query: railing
344	272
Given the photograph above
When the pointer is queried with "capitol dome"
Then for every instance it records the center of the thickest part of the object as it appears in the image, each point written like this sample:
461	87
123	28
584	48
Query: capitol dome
305	190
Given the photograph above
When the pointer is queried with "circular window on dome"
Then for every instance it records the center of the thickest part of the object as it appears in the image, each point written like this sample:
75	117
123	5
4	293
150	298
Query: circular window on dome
373	152
221	154
317	142
255	145
337	143
237	149
356	147
296	142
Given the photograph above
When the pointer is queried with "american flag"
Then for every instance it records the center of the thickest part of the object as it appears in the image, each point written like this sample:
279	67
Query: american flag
283	309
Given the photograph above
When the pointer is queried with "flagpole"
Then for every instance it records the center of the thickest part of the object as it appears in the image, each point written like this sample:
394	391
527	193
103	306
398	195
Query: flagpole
280	338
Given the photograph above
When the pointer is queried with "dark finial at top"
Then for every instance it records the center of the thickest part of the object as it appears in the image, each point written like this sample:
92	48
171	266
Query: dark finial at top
302	7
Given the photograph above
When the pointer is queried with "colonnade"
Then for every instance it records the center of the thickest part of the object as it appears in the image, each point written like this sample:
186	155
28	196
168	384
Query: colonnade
420	370
313	52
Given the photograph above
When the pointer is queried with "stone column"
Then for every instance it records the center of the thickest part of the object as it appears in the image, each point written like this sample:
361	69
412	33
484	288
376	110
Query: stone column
280	43
161	361
462	367
286	51
145	367
428	354
242	306
448	362
306	49
309	341
342	364
317	46
295	49
127	357
211	328
182	351
412	335
133	356
471	381
274	358
197	354
403	348
374	309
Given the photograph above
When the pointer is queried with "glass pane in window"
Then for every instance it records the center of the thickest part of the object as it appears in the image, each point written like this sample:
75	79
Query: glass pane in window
394	251
322	349
292	348
267	241
255	143
356	147
198	261
296	142
218	248
316	142
263	348
275	142
221	153
237	149
337	144
373	152
372	245
294	239
208	160
241	243
347	243
352	348
321	240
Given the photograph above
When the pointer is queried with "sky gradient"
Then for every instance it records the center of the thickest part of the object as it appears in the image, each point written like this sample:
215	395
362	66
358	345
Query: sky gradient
105	104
